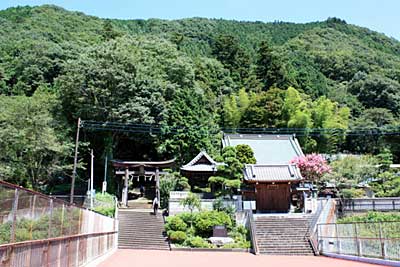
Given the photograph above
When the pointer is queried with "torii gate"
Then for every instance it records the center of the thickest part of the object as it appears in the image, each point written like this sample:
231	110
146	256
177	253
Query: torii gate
140	168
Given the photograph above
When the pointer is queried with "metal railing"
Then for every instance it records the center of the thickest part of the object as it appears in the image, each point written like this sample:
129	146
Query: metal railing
31	222
369	204
251	226
324	214
75	250
312	229
372	240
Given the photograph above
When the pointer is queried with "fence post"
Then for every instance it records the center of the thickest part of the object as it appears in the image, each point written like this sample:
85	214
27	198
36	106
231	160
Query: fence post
394	204
383	249
373	205
337	238
32	206
50	218
62	220
14	216
357	240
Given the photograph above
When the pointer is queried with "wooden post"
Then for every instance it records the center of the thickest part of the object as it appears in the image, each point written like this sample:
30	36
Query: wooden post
71	199
158	184
125	189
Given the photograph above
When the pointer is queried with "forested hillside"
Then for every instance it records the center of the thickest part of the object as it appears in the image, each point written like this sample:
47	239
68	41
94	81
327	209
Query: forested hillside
336	85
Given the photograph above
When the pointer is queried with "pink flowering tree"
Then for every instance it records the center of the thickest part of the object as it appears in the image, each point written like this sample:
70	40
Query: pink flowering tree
312	166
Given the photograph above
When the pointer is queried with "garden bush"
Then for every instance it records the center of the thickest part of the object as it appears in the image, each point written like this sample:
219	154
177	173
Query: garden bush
352	193
177	237
205	221
175	223
196	242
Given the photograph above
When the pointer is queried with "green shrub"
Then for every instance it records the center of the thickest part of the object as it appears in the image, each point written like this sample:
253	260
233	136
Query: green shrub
352	193
107	211
188	217
175	223
104	204
240	235
177	237
196	242
372	217
205	221
241	244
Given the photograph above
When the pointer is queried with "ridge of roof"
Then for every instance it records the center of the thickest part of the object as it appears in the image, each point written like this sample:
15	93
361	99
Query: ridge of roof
198	157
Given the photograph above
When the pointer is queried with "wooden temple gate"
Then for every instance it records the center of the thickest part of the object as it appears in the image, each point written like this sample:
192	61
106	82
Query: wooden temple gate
140	168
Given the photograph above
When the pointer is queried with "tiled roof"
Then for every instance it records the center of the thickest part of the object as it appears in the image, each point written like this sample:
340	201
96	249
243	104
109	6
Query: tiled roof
272	173
267	148
201	167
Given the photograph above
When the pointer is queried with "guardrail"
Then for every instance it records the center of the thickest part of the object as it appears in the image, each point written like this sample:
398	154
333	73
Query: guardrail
371	240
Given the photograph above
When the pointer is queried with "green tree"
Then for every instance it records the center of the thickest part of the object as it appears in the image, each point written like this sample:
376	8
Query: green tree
35	150
231	174
268	68
245	154
264	110
375	90
192	202
108	31
227	50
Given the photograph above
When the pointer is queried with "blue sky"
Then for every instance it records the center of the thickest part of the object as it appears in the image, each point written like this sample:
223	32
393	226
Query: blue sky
380	15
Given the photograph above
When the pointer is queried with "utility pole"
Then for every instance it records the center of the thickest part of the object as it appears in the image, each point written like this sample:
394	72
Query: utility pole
71	199
104	187
91	178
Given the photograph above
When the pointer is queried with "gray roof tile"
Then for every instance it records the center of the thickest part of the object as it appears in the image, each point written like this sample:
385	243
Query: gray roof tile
272	173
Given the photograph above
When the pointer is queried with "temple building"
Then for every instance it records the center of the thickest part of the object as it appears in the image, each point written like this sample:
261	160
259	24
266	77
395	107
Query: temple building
199	169
273	183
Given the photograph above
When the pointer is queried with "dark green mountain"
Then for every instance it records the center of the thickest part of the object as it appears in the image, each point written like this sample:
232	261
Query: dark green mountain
190	78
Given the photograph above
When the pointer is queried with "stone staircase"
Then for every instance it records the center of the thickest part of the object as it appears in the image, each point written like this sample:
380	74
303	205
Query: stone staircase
141	230
283	235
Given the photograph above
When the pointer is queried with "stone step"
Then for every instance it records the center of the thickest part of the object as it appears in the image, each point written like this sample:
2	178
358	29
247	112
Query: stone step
141	230
283	235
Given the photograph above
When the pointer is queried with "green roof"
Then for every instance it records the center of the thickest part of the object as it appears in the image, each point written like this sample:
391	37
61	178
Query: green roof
267	148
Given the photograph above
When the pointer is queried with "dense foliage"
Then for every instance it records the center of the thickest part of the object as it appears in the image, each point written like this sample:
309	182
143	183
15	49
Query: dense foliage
353	174
189	79
181	233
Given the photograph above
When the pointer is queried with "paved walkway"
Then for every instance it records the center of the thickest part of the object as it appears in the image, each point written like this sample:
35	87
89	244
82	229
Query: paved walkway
152	258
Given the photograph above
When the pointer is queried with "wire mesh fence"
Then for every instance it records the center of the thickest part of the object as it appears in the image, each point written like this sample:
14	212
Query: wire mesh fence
33	224
370	239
